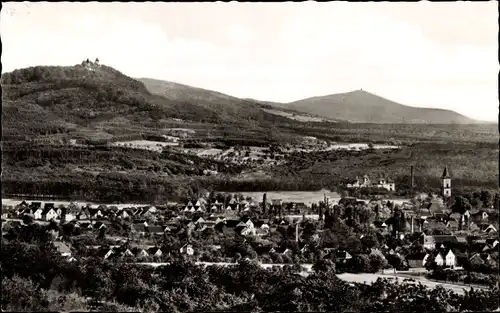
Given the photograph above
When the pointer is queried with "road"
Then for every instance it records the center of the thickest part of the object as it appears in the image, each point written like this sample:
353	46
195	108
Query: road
369	278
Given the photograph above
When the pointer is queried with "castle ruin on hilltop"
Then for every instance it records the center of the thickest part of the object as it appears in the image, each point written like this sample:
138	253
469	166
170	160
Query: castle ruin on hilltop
91	65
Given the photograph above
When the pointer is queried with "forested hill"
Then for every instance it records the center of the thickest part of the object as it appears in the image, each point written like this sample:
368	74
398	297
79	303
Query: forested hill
90	98
363	107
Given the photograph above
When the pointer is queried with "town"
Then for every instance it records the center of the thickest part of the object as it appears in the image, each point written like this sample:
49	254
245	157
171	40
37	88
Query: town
428	232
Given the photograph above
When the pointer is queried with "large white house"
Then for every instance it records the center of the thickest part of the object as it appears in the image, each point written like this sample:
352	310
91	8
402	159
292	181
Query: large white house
366	182
450	259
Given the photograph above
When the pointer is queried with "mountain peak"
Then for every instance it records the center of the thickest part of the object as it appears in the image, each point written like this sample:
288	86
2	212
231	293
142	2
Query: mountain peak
365	107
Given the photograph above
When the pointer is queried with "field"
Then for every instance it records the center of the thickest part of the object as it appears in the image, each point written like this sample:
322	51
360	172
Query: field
145	144
307	197
296	116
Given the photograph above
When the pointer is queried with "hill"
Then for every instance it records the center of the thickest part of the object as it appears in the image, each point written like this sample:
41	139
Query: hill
364	107
98	101
226	105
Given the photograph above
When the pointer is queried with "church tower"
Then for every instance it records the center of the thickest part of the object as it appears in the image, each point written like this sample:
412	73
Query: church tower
446	183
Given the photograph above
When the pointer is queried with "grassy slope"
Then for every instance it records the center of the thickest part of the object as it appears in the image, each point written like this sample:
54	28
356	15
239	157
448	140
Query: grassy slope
361	106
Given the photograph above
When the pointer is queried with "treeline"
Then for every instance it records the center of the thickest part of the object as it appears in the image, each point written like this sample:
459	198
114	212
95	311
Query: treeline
170	162
118	187
55	77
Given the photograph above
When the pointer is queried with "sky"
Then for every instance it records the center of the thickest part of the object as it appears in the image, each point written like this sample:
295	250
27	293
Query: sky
440	55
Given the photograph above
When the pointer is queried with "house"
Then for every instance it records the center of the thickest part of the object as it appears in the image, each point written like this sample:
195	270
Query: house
360	182
380	224
170	228
123	213
68	217
205	225
84	225
259	232
430	242
450	259
22	205
35	205
364	182
102	208
476	259
139	228
342	256
49	214
455	216
62	248
73	208
139	252
216	219
417	260
99	226
141	221
461	239
423	212
38	213
453	225
385	183
82	215
104	252
187	249
434	207
157	230
306	248
431	224
232	201
262	224
199	220
487	228
492	242
6	211
60	210
231	223
441	217
479	216
242	229
155	251
439	259
94	213
191	226
49	205
280	250
248	222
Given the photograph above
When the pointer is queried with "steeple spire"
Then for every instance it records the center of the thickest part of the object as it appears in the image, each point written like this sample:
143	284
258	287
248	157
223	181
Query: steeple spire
446	173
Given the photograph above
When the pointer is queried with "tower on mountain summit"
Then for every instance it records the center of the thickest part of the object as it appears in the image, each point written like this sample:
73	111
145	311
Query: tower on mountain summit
446	183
